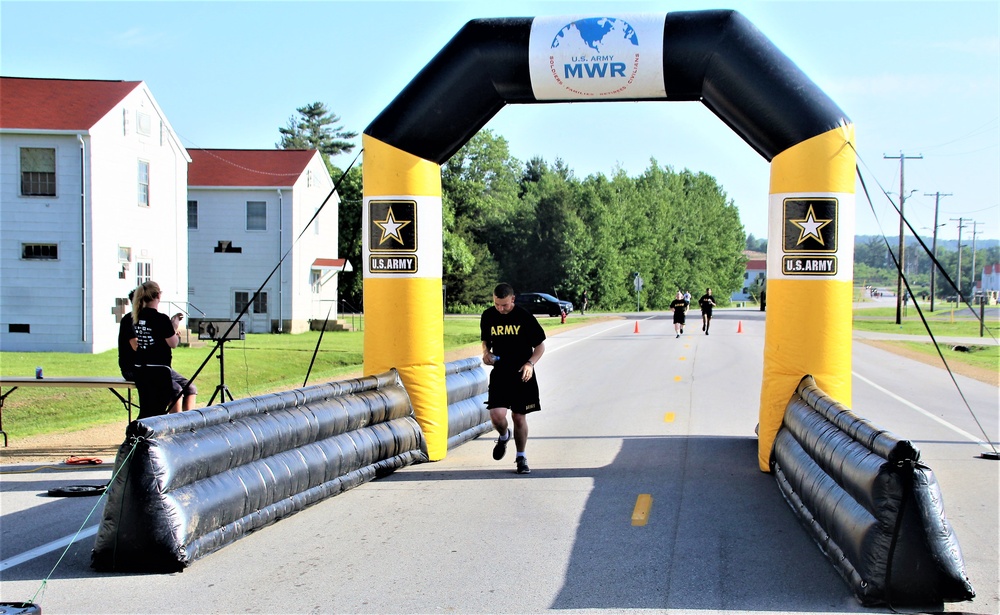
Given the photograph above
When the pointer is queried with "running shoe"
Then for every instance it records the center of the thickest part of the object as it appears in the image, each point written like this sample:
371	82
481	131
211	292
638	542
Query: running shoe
501	447
522	466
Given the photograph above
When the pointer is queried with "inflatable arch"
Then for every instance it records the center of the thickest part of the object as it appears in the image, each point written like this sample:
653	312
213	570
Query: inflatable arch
716	57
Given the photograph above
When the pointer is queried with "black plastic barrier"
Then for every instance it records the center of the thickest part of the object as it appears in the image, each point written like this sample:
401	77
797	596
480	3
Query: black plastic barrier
467	384
874	510
193	482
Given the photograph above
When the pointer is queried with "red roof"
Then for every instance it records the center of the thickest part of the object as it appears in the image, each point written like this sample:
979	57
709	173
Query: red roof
58	104
329	263
757	264
247	167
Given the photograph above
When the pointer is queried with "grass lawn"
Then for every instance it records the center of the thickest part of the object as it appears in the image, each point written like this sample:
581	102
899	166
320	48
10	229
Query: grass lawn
259	364
960	323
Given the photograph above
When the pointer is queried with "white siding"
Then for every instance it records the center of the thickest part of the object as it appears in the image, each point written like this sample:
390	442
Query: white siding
68	303
216	277
46	295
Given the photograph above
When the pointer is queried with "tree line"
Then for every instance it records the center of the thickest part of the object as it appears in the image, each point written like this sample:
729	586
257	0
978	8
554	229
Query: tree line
542	229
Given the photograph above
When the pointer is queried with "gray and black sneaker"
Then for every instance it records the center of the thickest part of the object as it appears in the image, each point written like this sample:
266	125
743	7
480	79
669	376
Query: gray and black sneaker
501	447
522	466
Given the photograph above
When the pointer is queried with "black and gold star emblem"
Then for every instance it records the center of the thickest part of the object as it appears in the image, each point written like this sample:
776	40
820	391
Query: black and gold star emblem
393	226
810	225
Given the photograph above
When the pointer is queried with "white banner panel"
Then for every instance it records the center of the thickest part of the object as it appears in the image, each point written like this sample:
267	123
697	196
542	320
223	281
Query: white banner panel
597	58
811	236
402	237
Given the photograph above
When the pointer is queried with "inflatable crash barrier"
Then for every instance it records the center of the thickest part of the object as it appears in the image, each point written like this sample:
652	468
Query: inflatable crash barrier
468	385
875	511
187	484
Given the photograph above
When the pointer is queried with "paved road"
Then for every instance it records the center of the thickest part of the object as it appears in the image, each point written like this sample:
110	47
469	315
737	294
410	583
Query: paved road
624	413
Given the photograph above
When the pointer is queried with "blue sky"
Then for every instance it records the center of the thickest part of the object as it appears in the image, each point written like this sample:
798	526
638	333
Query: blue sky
921	78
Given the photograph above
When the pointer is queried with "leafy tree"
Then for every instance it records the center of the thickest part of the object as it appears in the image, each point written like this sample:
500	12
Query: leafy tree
349	235
315	128
756	245
479	187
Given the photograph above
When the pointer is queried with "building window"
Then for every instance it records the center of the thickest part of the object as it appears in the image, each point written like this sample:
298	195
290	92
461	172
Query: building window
192	215
143	183
18	328
143	272
314	281
259	302
144	125
38	171
40	251
256	216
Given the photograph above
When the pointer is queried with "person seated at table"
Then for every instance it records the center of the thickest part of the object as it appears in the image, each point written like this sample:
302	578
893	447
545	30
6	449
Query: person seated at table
126	355
154	335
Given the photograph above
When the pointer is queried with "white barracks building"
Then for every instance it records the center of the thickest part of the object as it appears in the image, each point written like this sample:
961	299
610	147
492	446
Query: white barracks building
93	184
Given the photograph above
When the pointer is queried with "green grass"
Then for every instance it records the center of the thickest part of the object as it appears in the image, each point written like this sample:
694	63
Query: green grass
982	356
960	323
259	364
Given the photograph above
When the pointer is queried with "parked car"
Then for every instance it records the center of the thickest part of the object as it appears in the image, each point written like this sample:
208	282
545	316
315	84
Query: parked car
542	303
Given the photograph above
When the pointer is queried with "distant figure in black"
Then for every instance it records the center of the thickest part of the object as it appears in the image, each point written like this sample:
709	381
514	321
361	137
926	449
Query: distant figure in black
707	302
679	306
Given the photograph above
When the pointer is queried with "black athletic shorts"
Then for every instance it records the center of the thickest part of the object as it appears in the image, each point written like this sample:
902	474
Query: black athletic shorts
678	318
507	390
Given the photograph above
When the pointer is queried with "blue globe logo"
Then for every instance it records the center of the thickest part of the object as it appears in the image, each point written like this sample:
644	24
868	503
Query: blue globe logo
597	34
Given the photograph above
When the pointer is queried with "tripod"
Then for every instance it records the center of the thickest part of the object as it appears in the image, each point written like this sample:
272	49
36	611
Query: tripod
222	388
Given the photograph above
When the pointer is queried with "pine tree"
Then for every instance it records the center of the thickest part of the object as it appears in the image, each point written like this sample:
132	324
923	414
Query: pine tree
315	128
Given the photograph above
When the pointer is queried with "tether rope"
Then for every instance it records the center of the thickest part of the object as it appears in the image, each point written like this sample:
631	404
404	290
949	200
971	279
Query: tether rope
114	475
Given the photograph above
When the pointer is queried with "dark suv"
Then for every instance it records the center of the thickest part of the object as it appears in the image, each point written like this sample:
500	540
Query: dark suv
542	303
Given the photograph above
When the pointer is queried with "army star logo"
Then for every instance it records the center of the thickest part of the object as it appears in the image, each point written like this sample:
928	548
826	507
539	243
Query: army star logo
390	228
810	227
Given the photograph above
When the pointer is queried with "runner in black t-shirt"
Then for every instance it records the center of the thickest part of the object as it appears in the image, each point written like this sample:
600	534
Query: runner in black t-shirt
707	302
679	306
513	342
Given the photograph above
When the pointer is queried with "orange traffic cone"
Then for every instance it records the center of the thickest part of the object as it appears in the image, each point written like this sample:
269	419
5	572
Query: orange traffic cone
636	326
739	327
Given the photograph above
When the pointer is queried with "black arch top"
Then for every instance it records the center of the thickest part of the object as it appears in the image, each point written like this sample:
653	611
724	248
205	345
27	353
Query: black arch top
717	57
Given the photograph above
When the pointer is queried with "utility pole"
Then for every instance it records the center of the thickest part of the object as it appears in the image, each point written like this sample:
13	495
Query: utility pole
973	282
937	201
902	246
958	296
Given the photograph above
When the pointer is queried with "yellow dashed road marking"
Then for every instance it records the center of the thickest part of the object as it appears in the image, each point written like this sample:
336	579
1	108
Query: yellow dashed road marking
669	417
640	514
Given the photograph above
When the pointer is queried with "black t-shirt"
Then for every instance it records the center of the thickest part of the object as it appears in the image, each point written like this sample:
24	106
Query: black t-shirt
678	306
512	336
126	356
151	333
706	302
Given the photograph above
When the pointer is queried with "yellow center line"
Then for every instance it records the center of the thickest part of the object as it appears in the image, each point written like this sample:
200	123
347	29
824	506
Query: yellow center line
669	417
677	378
682	359
640	514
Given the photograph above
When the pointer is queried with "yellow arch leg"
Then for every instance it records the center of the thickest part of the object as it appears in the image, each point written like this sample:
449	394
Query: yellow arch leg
810	276
402	252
